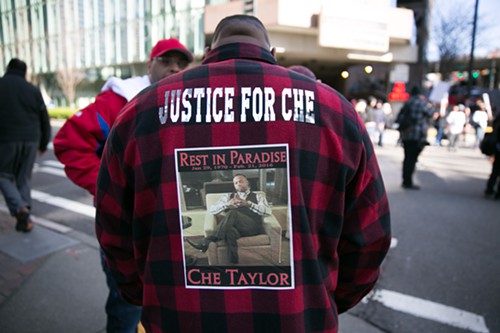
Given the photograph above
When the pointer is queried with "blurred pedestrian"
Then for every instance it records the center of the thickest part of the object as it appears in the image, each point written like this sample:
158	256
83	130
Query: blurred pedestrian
495	170
369	117
380	119
79	144
24	130
360	108
479	121
456	121
417	112
341	222
440	124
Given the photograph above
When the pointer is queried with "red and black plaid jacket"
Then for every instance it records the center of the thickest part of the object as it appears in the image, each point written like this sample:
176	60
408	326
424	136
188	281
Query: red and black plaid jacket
339	207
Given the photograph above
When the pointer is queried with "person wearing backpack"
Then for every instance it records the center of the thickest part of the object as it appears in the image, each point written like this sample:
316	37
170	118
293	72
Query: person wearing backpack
413	131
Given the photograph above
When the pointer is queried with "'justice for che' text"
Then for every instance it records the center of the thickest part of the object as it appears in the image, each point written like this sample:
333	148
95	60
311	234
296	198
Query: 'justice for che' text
216	105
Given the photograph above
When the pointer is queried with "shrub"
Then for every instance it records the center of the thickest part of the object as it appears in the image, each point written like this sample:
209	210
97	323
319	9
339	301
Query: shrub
61	112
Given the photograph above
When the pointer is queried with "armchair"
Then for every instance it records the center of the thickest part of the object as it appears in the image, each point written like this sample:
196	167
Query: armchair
263	249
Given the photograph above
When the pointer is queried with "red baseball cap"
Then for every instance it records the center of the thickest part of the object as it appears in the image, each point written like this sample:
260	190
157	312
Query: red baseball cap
171	44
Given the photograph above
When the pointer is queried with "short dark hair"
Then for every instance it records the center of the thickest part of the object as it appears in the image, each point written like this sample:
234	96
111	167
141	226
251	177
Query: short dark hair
17	65
240	174
251	20
415	90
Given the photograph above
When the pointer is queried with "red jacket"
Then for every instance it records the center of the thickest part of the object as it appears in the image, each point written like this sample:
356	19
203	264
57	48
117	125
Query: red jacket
79	143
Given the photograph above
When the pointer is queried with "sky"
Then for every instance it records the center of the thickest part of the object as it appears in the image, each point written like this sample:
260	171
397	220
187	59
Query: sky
488	14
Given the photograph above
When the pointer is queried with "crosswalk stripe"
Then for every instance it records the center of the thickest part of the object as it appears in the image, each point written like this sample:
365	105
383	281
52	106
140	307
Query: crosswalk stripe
394	242
53	163
50	170
71	205
430	310
51	225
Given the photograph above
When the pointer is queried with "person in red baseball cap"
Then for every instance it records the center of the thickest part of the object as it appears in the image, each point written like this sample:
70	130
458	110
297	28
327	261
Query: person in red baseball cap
79	143
167	57
170	45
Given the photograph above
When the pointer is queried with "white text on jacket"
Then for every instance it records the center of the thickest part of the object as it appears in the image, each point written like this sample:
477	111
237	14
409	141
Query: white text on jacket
216	105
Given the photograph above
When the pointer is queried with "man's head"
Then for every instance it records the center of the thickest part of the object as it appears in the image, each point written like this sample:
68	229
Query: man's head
167	57
415	90
240	182
17	65
241	29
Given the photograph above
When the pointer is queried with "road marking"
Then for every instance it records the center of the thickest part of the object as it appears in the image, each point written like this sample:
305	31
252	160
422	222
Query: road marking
71	205
53	163
55	168
50	170
430	310
394	242
51	225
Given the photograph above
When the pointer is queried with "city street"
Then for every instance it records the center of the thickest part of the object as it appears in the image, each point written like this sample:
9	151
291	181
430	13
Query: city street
441	274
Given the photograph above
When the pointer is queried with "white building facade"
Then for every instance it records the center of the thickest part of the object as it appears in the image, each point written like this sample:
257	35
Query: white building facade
114	37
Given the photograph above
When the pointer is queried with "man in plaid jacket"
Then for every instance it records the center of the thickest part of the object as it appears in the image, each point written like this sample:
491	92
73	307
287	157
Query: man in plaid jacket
239	97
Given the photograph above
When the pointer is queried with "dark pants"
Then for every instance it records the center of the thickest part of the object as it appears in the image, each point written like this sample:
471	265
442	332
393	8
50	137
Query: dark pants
235	225
412	149
122	317
495	173
16	166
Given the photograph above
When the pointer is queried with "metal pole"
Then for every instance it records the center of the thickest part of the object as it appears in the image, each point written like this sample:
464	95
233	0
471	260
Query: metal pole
471	60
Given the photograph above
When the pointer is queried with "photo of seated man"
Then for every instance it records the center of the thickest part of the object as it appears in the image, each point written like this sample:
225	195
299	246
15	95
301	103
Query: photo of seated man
242	211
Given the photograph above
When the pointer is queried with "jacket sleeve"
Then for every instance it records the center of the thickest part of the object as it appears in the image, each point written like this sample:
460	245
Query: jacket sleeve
366	234
45	128
114	213
79	143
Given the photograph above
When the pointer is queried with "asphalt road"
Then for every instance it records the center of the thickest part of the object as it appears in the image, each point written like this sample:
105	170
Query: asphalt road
441	274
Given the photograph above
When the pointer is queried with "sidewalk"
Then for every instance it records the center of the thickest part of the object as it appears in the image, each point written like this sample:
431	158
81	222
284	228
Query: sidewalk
51	281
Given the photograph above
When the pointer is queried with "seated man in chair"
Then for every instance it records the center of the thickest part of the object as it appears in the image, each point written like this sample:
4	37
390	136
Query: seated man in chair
242	212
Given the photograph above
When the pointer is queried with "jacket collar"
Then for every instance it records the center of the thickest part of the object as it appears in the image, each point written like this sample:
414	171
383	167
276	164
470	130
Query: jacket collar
15	72
239	51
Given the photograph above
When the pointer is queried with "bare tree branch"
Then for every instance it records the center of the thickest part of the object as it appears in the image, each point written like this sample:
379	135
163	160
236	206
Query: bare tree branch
452	33
68	79
69	74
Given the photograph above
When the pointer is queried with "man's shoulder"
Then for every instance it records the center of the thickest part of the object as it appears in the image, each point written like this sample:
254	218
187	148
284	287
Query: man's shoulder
19	82
106	105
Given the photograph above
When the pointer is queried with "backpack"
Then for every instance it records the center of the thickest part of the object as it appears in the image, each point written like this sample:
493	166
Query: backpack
488	144
403	119
474	124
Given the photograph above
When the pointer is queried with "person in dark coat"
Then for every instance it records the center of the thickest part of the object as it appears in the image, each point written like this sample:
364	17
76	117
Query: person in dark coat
495	170
24	130
417	112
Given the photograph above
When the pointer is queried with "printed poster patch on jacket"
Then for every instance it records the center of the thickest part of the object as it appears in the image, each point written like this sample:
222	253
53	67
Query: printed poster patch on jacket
235	217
